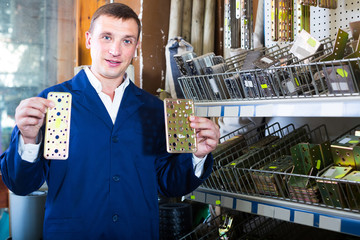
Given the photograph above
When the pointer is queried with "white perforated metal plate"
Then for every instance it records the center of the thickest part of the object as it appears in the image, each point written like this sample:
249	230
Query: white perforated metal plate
180	137
57	129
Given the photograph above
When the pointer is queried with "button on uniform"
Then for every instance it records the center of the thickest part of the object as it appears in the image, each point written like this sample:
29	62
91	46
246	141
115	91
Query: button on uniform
115	139
115	218
116	178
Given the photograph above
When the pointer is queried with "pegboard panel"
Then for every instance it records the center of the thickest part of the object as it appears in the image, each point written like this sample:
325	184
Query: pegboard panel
323	22
326	22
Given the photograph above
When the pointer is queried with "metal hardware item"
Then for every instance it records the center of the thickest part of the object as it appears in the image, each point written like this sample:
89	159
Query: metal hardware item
274	20
332	192
353	189
339	46
268	183
180	60
346	151
340	80
265	62
308	2
331	4
233	86
303	189
57	127
355	29
202	62
180	137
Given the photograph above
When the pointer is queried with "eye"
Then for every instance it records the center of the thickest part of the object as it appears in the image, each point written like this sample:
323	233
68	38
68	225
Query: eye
128	42
106	37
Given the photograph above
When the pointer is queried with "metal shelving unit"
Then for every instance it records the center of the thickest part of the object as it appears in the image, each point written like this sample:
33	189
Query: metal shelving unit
310	215
239	182
287	87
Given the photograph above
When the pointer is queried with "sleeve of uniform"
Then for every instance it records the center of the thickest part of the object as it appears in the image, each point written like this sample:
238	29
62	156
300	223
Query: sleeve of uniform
21	177
175	172
176	175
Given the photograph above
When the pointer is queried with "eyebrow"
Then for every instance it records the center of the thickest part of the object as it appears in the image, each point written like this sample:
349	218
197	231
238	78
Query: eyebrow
126	36
106	33
130	36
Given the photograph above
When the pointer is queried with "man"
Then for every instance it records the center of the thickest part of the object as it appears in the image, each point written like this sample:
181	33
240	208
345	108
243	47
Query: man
117	164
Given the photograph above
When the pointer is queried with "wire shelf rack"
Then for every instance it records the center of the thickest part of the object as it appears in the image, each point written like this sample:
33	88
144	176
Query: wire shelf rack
280	76
320	79
272	172
230	225
245	226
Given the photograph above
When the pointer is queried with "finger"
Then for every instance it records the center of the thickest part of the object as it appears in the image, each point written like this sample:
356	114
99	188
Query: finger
210	143
205	147
30	112
208	134
201	123
28	121
196	119
37	103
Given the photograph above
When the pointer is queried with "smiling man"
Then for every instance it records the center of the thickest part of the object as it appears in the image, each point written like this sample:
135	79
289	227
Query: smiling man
117	164
112	43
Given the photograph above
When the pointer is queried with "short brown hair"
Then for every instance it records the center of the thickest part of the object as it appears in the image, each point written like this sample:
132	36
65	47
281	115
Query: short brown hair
117	10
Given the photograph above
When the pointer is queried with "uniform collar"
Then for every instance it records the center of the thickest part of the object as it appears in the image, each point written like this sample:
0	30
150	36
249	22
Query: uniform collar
97	84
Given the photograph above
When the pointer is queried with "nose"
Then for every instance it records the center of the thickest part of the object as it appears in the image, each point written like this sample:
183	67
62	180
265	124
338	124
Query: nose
115	49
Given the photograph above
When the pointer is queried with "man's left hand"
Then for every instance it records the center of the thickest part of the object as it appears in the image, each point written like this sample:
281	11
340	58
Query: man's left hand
207	133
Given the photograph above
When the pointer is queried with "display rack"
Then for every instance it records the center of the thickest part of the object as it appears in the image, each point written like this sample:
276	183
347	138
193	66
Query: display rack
241	226
324	89
239	181
285	87
309	215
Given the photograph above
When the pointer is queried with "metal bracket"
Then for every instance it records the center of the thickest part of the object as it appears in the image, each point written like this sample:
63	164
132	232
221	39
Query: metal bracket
180	137
339	47
57	128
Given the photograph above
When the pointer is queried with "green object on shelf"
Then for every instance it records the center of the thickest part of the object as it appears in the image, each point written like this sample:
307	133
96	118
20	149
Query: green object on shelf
200	213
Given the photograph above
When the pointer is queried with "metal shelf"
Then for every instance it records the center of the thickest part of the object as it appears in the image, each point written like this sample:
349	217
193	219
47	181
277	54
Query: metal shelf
310	215
267	92
284	107
254	175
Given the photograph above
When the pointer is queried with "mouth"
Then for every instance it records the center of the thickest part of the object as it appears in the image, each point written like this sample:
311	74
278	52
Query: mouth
113	62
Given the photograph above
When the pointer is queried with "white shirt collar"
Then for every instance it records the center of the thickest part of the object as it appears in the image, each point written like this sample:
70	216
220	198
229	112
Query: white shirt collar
97	84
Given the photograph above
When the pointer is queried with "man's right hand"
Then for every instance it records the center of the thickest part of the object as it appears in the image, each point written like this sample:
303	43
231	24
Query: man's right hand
30	116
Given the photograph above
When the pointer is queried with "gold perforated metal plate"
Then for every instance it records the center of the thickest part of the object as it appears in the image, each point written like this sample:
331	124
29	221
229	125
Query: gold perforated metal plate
180	137
339	46
57	129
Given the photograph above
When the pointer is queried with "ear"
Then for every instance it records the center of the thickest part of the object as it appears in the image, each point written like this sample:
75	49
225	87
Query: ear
137	48
88	39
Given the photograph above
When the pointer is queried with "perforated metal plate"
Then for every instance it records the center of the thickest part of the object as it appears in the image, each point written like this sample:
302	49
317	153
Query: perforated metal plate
57	129
180	137
339	46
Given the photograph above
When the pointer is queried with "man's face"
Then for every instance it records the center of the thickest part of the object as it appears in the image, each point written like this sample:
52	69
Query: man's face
112	45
